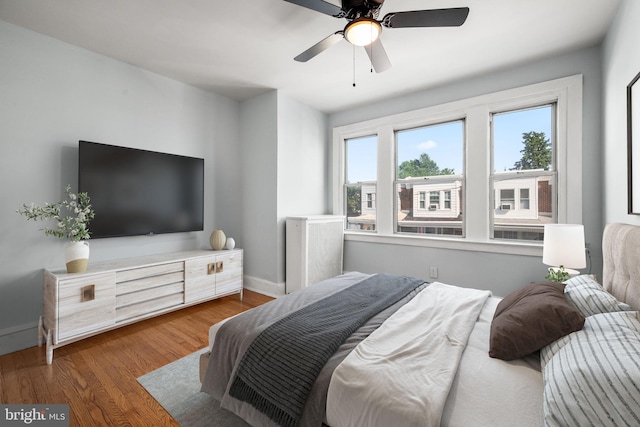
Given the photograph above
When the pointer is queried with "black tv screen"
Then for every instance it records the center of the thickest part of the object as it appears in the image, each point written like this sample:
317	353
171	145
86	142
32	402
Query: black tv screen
137	192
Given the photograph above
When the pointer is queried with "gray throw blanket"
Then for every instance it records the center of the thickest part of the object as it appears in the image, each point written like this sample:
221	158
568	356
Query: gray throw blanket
280	366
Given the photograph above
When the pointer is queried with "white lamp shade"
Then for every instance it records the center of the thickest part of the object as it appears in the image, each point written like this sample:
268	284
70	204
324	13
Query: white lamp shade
564	245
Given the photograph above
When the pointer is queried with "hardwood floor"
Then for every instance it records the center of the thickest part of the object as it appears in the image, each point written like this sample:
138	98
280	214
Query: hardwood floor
97	376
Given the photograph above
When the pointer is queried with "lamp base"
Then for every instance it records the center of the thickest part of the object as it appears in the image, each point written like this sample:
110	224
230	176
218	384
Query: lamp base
560	274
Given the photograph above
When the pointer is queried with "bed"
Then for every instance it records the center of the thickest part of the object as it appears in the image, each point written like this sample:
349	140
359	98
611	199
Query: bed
435	354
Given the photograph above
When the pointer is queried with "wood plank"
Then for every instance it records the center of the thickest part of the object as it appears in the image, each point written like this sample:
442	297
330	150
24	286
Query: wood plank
97	376
156	270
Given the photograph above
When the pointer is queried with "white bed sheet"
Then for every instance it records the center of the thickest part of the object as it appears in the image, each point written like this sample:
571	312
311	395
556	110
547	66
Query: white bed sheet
493	392
402	373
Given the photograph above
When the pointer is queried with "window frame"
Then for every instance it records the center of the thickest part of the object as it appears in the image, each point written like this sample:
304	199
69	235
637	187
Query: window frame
447	199
431	179
371	201
422	199
476	112
360	184
496	177
521	199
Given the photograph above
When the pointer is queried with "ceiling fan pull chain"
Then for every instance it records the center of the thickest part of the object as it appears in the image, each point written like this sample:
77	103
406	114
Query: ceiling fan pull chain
371	57
371	51
354	65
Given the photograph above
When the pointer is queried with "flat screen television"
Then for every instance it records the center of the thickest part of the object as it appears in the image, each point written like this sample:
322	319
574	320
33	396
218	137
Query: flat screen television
138	192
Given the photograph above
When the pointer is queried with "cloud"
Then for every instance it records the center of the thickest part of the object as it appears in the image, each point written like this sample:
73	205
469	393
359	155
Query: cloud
427	145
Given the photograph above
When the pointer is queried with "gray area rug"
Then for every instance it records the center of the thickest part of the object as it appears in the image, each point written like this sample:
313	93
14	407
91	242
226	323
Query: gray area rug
176	387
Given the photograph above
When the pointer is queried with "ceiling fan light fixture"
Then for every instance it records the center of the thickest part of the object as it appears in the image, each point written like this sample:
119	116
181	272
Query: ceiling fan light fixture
362	32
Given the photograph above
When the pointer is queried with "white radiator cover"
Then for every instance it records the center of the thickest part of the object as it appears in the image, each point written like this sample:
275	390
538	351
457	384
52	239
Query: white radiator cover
314	249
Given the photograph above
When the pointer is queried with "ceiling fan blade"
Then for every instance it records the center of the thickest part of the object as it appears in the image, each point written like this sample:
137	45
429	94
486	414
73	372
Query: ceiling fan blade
378	56
320	47
453	17
320	6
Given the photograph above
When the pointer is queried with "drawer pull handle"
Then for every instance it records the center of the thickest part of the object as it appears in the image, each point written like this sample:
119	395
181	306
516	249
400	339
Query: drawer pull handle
88	293
215	267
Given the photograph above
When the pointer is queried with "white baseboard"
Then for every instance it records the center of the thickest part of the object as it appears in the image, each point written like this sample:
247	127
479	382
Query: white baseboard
264	287
18	337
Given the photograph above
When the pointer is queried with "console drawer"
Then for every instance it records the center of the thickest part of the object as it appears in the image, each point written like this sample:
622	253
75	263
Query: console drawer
145	272
147	308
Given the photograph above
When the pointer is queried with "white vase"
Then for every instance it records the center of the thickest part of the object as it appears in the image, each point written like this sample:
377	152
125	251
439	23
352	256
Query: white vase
230	243
76	256
217	240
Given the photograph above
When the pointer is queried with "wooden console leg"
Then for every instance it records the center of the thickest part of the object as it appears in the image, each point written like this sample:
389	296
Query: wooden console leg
49	348
40	331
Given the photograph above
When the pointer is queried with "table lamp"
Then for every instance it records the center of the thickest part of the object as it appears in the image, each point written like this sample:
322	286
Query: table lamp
563	250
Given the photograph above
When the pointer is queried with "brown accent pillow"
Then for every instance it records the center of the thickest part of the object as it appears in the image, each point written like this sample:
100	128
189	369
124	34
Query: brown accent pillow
530	318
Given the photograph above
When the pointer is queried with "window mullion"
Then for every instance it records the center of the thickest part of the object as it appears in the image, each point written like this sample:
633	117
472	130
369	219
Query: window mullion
477	168
386	176
338	173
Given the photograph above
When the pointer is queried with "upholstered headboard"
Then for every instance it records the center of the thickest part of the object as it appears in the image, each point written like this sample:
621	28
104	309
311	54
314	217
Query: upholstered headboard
621	262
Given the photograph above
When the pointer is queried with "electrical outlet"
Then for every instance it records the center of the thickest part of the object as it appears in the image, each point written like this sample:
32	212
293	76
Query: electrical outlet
433	272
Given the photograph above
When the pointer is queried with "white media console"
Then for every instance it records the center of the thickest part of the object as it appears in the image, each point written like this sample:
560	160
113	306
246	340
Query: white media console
116	293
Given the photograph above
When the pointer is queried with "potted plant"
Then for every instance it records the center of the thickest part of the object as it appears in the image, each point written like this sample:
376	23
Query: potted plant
72	217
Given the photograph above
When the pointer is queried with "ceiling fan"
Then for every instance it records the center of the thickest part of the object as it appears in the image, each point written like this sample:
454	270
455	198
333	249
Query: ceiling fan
364	28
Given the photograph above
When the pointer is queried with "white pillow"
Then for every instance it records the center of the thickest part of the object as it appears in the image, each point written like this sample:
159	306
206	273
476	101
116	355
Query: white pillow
592	376
589	297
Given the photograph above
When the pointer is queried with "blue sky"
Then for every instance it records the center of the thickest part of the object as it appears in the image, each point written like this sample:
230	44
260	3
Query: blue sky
444	143
508	130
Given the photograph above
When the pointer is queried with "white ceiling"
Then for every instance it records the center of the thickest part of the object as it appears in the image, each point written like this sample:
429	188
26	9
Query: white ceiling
241	48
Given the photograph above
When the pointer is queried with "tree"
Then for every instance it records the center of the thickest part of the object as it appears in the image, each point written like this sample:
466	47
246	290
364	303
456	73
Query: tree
536	153
422	166
354	206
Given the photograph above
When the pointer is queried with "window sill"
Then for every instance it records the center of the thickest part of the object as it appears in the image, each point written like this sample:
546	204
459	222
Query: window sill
461	244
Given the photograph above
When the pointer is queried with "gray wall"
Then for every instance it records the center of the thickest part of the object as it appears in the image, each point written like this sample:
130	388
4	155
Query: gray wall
284	173
302	166
53	94
259	185
499	273
621	63
260	156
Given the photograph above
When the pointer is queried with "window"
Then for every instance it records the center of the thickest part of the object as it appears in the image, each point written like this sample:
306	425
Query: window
523	165
524	198
507	199
371	200
434	198
476	168
360	186
429	161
